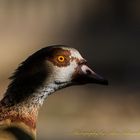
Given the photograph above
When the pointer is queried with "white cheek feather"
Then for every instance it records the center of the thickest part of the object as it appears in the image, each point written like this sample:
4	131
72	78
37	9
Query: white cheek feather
65	73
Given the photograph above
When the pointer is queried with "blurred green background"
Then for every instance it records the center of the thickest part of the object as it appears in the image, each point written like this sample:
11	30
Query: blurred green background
107	33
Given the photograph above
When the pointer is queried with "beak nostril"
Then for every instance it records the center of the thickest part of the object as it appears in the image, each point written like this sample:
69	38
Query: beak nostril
88	72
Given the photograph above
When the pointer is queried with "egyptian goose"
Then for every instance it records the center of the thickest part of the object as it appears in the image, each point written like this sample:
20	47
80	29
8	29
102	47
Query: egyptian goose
49	69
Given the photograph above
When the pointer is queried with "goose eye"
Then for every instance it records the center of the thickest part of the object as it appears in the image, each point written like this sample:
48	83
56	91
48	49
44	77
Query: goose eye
61	58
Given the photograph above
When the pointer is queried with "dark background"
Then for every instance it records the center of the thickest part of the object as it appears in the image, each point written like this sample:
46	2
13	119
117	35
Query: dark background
107	33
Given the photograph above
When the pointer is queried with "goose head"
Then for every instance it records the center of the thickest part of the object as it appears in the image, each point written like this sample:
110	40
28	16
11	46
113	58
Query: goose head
47	70
67	67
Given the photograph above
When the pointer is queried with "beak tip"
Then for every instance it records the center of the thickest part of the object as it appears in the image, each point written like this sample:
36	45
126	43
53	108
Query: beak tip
99	80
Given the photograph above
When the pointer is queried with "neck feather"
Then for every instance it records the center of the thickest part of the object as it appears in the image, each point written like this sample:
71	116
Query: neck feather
24	114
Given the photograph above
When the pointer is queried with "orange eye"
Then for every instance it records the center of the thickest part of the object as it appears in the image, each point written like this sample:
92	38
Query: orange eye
61	58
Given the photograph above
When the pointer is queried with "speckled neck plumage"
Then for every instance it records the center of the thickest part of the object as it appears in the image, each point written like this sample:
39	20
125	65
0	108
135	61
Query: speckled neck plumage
24	114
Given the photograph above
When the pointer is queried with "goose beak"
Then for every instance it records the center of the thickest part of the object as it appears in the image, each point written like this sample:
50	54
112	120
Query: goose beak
85	75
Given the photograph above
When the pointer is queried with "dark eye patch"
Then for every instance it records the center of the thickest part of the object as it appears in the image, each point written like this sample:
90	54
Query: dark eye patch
53	57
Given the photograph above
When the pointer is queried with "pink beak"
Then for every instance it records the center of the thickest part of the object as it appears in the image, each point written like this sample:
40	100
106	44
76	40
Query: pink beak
85	75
